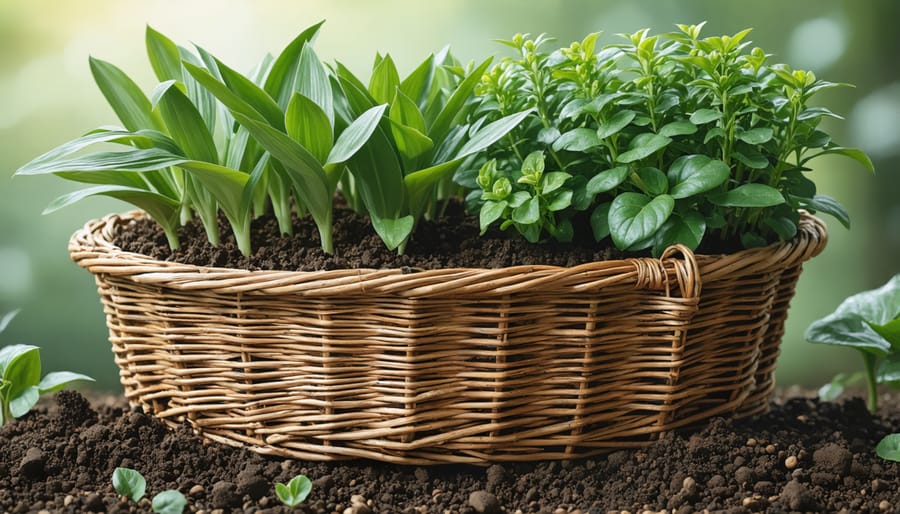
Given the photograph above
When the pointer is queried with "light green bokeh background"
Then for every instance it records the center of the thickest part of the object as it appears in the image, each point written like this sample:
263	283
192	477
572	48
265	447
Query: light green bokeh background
47	96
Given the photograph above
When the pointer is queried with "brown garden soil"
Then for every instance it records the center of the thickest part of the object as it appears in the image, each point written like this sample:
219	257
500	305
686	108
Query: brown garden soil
803	456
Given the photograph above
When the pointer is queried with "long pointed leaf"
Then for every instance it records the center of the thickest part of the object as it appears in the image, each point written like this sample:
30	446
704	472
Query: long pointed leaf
308	125
254	95
124	96
164	56
313	82
226	185
379	176
416	85
280	83
491	133
356	135
228	98
185	123
385	80
159	207
58	380
454	106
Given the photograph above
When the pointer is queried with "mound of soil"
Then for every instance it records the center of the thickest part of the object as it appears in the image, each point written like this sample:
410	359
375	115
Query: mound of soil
803	456
449	242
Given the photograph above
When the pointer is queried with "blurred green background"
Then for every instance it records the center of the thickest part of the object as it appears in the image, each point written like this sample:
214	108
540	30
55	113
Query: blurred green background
47	96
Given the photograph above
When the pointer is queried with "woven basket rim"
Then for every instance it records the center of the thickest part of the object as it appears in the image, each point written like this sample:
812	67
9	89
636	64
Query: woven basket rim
92	248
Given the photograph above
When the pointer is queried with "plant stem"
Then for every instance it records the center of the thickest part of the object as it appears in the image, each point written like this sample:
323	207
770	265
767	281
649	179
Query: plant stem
869	361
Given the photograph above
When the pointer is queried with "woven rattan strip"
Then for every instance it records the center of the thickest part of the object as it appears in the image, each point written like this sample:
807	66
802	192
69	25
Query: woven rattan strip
446	366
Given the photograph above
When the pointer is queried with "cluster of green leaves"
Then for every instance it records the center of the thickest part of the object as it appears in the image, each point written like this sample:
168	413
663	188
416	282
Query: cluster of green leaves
658	140
21	384
870	323
132	485
294	492
283	138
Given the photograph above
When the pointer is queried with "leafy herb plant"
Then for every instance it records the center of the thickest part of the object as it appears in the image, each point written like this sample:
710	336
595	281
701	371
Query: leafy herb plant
283	138
655	141
132	485
295	492
21	384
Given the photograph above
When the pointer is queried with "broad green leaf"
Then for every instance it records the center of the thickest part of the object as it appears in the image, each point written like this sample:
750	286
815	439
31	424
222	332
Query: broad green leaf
889	447
600	221
393	232
129	483
385	81
890	331
308	125
226	185
529	212
889	369
185	123
750	157
849	324
653	180
573	109
454	106
416	85
614	125
634	217
490	212
607	180
281	80
22	369
832	390
4	322
643	145
702	116
313	82
169	502
756	136
355	92
356	135
491	133
577	140
686	229
22	403
693	174
164	56
678	128
124	96
748	195
256	181
59	380
783	225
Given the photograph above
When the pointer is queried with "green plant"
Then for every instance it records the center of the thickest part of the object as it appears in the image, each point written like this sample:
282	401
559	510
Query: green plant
295	492
655	141
870	323
132	485
21	384
889	447
210	139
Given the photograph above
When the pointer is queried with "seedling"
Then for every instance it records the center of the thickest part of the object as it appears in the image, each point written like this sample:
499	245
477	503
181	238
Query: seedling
21	384
295	492
132	485
870	323
889	448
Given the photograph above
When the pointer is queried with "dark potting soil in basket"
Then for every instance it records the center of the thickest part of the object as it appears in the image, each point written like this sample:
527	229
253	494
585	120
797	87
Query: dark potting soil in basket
804	456
450	242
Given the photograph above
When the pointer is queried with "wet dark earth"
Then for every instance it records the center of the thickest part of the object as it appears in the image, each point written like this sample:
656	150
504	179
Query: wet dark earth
803	456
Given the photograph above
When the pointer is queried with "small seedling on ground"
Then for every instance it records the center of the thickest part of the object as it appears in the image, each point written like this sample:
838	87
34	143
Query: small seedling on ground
132	485
21	384
295	492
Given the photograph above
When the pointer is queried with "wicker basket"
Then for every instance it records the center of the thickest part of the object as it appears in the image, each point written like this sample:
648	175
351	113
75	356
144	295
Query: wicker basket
447	366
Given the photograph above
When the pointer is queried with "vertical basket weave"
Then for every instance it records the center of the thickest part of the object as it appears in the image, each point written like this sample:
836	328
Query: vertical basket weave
446	366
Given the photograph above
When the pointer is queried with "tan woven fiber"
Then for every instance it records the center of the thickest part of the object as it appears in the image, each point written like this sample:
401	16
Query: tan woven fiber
446	366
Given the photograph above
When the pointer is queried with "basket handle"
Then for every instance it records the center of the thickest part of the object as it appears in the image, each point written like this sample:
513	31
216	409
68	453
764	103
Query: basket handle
654	273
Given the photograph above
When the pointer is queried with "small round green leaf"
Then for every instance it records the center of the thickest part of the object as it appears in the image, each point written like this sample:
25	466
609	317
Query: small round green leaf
490	212
600	221
702	116
693	174
678	128
615	124
635	217
169	502
129	483
528	213
889	448
577	140
756	136
654	181
607	180
643	145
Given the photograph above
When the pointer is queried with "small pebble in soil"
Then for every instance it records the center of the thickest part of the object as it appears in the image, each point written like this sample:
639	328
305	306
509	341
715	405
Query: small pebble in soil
790	462
32	465
484	502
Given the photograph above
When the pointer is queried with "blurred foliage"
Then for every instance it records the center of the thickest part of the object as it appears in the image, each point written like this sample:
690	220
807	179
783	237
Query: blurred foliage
48	97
